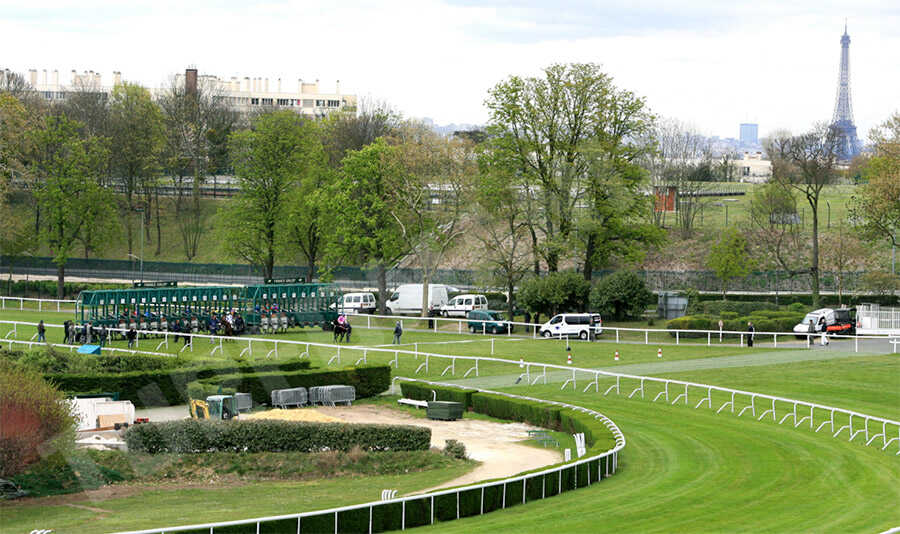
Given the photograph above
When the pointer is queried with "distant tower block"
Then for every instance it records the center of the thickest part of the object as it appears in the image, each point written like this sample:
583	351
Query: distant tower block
842	120
749	134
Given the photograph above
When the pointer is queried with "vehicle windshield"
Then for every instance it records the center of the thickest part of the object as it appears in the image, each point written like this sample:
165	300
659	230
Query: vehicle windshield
811	317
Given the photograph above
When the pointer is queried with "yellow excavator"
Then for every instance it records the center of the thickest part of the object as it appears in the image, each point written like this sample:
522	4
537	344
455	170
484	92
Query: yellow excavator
218	407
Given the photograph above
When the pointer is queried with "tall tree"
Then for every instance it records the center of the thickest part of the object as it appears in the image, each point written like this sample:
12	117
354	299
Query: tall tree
806	164
16	234
681	160
842	255
776	236
542	124
70	197
269	160
136	145
363	199
198	124
877	206
308	218
432	196
346	131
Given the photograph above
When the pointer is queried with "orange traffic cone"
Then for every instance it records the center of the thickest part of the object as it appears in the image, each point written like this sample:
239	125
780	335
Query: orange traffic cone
659	353
617	356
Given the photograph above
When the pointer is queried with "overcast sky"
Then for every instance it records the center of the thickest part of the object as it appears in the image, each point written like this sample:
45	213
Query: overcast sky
710	63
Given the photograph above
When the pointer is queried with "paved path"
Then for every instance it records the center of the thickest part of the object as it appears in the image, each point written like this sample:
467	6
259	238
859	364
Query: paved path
663	367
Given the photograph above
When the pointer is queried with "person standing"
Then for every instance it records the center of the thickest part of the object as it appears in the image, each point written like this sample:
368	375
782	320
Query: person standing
42	332
398	331
132	336
721	326
88	333
752	330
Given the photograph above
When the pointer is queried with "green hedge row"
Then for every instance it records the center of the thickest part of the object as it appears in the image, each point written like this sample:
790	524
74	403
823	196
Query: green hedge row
47	288
416	391
368	381
47	360
785	322
715	307
160	387
597	436
193	436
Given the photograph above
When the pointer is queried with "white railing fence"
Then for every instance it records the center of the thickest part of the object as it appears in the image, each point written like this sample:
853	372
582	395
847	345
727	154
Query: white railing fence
550	481
27	304
759	405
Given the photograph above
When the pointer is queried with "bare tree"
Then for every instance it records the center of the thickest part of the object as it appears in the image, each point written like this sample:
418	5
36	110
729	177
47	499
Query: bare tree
776	237
806	164
432	196
198	123
681	158
346	131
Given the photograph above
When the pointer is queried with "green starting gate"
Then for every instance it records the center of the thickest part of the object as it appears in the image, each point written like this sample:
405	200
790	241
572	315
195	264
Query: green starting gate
110	306
307	304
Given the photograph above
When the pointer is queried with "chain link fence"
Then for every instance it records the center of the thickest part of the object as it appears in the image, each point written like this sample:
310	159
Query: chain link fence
357	277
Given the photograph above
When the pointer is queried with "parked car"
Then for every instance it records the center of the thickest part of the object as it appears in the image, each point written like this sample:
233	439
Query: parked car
357	303
581	325
407	299
461	305
488	321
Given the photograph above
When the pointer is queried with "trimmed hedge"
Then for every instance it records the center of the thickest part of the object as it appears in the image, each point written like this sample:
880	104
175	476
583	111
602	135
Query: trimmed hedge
417	391
47	360
716	307
368	381
160	387
597	437
194	436
763	321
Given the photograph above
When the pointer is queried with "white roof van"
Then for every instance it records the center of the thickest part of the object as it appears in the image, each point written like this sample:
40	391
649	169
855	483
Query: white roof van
461	305
357	303
407	299
581	325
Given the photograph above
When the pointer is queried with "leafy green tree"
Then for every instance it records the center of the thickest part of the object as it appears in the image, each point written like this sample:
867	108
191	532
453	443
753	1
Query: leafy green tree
621	296
367	214
137	137
269	162
501	227
805	164
877	206
729	258
559	292
70	198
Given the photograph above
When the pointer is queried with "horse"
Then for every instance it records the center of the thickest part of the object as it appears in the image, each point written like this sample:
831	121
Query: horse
341	331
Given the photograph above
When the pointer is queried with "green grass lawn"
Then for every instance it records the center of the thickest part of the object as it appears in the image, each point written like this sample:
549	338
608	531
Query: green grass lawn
683	469
159	505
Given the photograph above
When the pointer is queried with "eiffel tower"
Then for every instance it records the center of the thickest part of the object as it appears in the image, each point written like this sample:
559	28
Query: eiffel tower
842	121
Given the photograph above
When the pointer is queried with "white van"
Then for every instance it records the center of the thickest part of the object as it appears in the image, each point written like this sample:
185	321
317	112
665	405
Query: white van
461	305
357	303
581	325
407	299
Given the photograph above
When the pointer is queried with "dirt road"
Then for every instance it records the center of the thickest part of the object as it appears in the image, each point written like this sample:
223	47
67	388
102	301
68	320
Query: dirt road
493	444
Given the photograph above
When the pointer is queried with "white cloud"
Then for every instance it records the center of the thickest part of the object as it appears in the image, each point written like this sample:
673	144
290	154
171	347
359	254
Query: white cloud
709	65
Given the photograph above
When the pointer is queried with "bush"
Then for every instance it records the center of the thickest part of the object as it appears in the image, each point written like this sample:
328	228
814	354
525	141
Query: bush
554	293
502	407
160	387
621	296
49	361
368	381
716	307
192	436
455	449
778	322
34	419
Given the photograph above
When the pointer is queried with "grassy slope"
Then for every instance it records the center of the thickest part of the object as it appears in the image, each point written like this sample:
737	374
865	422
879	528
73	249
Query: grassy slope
161	505
692	470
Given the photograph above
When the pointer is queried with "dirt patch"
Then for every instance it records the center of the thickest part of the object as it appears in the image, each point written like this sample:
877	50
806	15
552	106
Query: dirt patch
495	445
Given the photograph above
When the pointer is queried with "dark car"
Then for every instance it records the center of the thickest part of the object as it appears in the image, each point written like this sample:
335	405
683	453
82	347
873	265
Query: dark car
488	322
